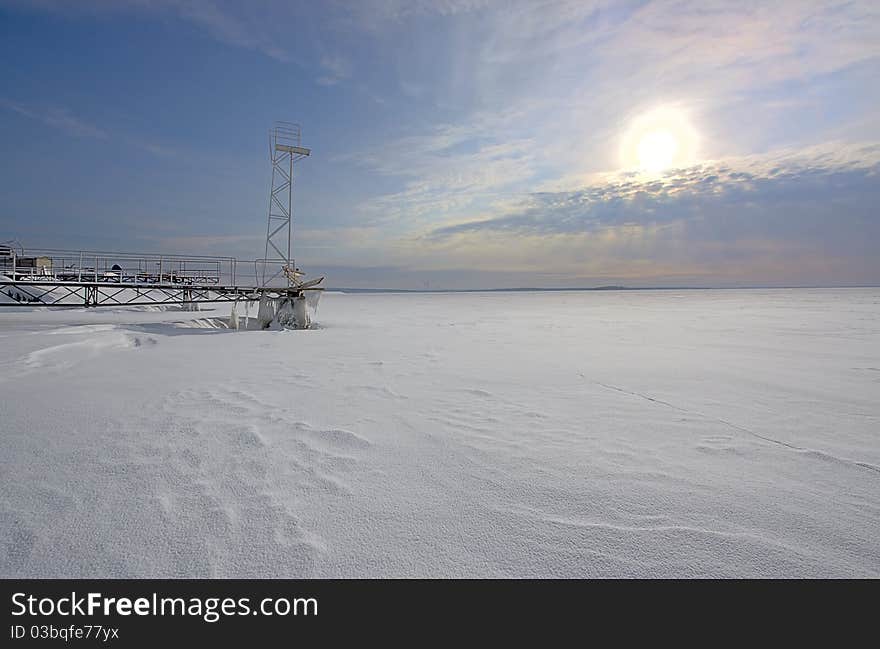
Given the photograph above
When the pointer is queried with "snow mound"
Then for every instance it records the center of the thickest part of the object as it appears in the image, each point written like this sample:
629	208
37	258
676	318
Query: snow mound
90	341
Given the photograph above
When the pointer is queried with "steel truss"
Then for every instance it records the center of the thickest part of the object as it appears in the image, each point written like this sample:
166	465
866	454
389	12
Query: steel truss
51	293
284	149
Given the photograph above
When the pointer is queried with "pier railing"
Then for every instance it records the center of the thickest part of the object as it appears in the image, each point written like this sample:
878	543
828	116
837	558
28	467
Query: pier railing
117	267
53	277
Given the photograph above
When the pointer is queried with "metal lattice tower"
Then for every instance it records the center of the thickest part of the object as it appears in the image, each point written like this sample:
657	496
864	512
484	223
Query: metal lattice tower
284	149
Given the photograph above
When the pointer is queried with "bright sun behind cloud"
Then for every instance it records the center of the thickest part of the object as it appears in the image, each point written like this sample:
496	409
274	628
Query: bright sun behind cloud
659	139
657	150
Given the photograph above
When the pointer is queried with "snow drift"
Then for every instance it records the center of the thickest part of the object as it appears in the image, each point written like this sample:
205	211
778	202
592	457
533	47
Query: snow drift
649	434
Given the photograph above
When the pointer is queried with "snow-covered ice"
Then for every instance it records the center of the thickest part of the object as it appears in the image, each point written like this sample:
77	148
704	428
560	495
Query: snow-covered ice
575	434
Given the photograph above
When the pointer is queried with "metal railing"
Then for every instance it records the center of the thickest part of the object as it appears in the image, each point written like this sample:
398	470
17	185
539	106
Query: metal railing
117	267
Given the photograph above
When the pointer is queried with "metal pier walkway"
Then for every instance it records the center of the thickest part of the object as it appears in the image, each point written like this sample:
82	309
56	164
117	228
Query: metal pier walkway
63	278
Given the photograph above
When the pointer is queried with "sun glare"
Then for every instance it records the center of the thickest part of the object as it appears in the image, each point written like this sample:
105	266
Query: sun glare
657	150
657	140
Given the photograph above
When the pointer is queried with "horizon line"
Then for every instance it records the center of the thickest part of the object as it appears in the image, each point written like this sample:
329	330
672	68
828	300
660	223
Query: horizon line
595	288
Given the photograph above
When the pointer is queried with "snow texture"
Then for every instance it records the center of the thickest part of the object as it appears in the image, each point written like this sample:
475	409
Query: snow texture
577	434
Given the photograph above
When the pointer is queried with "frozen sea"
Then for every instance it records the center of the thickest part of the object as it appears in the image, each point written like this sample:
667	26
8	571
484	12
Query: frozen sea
731	433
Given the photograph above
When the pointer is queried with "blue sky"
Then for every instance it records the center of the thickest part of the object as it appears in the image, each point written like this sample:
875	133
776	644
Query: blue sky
457	144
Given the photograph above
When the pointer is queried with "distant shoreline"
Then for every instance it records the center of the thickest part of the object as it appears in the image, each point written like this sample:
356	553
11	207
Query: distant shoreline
593	288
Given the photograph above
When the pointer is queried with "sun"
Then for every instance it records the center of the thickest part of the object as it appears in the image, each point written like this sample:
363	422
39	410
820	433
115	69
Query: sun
657	150
659	139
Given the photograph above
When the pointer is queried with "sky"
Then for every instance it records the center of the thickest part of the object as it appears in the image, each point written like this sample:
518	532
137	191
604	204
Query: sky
455	143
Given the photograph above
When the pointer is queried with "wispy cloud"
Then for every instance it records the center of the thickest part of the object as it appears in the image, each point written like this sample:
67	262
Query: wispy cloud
451	169
244	25
335	69
63	120
57	118
159	150
234	24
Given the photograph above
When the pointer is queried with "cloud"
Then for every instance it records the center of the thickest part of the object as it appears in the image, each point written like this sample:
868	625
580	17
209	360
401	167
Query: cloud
236	24
375	15
497	147
335	69
63	120
560	83
58	118
783	216
450	169
158	150
822	173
